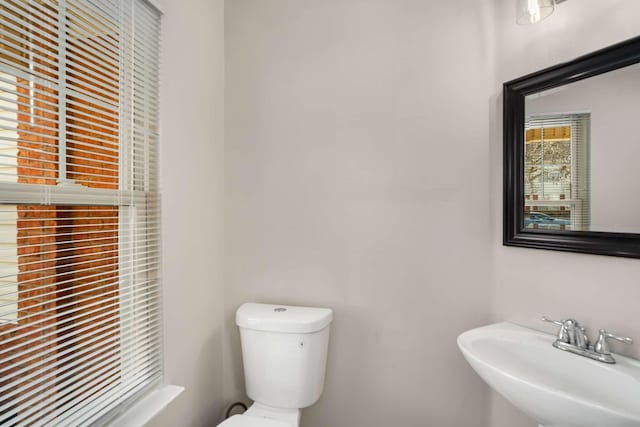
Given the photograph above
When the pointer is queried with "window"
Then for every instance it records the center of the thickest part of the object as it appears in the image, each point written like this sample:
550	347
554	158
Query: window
79	223
8	173
556	172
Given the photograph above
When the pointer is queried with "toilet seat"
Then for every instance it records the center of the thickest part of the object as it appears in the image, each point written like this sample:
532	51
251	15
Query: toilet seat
249	421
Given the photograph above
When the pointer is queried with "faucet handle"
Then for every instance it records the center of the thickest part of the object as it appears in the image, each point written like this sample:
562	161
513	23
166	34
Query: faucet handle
563	333
557	322
601	346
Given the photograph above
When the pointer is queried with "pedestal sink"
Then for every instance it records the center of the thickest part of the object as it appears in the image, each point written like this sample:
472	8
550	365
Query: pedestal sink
554	387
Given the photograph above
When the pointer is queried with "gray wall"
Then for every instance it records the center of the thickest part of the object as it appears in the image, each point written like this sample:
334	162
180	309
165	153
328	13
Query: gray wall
600	291
357	178
191	151
363	166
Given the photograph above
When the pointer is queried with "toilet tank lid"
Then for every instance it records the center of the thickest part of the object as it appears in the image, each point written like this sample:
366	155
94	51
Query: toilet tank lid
283	318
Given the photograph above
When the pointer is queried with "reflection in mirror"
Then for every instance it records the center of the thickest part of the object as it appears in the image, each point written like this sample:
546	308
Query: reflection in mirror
556	172
571	155
582	155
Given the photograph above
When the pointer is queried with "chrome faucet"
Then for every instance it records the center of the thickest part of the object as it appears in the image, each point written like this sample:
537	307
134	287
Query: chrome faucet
572	337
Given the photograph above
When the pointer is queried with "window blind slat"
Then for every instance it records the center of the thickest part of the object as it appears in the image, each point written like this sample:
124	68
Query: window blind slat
48	368
34	331
50	296
114	397
81	389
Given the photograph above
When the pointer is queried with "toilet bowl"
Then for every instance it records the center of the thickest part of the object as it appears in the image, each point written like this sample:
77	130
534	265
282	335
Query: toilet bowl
284	354
259	415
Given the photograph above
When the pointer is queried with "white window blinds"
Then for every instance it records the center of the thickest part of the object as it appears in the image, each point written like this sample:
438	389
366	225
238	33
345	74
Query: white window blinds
79	220
556	176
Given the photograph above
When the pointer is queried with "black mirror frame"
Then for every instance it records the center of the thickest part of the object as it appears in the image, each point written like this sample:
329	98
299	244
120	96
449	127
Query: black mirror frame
514	93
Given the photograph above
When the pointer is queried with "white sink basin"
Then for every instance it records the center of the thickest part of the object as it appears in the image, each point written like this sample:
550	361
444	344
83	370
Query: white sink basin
554	387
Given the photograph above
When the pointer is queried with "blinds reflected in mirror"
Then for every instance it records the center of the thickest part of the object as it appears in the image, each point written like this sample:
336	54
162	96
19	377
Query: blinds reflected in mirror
556	172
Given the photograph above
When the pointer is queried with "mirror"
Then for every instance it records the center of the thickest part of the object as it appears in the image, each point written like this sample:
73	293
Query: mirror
572	155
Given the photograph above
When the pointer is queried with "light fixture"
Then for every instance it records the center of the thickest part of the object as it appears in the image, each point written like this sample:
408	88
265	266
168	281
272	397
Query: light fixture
532	11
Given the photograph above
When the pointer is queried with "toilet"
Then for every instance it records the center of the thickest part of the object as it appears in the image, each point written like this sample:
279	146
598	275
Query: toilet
284	353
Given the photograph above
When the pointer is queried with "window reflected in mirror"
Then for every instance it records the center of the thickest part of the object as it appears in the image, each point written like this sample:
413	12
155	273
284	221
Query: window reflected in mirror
581	154
556	172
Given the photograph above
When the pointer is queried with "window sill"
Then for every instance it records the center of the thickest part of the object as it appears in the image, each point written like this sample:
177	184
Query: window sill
148	407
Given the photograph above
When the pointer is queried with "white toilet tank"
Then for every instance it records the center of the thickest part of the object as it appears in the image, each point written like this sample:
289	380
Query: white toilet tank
284	352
